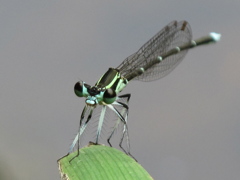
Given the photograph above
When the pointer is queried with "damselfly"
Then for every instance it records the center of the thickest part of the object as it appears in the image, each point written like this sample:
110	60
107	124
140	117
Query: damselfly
154	60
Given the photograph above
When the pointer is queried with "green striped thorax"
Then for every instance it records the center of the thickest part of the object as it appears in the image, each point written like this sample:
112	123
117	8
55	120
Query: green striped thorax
105	90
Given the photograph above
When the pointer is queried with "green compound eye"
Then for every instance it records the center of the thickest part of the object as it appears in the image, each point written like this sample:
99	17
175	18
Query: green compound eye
78	89
109	96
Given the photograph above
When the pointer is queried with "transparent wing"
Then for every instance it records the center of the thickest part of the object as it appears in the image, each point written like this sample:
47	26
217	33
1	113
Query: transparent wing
174	34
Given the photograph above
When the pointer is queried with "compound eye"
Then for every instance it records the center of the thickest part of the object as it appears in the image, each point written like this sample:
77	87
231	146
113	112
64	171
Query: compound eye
109	96
78	89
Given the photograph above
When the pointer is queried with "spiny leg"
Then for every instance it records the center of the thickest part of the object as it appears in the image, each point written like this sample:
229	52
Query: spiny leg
125	130
125	106
120	118
100	123
77	136
114	128
125	96
81	130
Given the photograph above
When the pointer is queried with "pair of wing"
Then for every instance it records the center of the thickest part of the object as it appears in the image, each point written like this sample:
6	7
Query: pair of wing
173	35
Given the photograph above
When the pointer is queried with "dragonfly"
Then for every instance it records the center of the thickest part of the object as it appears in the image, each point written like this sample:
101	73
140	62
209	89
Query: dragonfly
154	60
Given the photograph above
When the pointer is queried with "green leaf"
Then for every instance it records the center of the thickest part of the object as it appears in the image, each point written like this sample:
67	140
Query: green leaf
101	163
